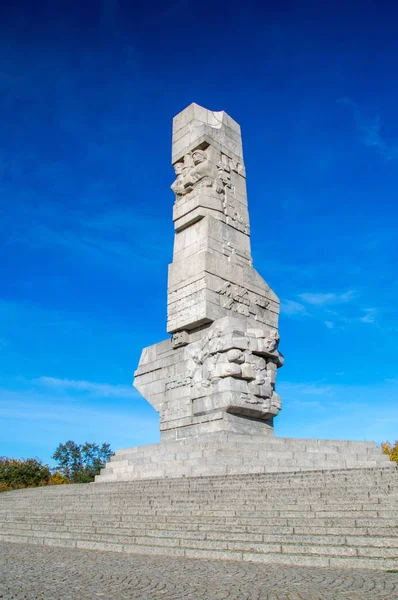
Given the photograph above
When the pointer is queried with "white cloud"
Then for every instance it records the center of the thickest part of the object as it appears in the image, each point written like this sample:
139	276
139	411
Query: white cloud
322	299
370	316
36	420
97	389
27	406
369	130
305	389
291	307
330	304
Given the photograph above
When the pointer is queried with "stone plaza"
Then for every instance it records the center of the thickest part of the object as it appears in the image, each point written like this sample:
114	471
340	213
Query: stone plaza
65	574
219	486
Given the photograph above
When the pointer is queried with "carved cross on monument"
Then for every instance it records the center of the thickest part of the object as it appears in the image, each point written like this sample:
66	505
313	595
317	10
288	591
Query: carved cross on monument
217	372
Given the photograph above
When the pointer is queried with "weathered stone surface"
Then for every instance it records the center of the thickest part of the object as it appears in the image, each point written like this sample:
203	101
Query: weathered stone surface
218	451
62	573
223	317
213	382
315	518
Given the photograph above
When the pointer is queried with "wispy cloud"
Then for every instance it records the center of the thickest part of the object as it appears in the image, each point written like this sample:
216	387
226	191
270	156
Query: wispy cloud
370	133
306	389
333	412
27	406
335	309
110	236
291	307
369	316
362	315
80	192
35	417
97	389
322	299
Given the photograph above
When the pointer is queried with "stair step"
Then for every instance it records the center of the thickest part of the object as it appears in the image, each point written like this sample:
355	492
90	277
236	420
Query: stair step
340	518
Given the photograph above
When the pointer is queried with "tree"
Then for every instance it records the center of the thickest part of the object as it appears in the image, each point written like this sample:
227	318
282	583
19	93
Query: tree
80	463
16	473
390	450
69	459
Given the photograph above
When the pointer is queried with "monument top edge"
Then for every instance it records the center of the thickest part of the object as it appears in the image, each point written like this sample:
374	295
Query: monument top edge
215	119
196	122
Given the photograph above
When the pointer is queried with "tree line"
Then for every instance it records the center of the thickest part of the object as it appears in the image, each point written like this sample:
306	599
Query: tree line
76	463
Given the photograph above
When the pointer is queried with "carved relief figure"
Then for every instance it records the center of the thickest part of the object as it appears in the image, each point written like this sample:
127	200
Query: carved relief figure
224	172
202	356
178	186
242	301
194	170
234	216
250	357
202	168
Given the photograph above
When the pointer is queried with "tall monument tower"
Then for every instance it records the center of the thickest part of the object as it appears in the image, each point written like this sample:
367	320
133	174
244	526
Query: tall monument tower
217	372
213	380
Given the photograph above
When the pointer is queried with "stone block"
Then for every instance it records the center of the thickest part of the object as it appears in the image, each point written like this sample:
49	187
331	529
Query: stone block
284	559
211	277
62	543
363	563
213	554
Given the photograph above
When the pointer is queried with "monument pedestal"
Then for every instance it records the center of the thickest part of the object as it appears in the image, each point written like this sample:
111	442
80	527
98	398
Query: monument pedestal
222	453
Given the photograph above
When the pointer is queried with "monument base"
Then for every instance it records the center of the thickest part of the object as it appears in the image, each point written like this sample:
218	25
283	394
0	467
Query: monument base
227	453
220	421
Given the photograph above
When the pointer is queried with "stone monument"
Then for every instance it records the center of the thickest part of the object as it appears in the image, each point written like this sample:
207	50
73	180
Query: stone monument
213	381
217	372
213	384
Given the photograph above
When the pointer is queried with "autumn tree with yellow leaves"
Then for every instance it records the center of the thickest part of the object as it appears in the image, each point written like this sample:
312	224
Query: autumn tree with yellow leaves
390	450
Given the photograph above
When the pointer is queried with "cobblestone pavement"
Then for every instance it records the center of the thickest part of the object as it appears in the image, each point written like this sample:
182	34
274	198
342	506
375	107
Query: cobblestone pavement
45	573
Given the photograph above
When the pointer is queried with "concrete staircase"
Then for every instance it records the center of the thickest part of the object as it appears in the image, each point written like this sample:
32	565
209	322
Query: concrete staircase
346	518
231	454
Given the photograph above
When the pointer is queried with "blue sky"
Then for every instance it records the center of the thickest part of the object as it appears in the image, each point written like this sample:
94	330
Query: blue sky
87	95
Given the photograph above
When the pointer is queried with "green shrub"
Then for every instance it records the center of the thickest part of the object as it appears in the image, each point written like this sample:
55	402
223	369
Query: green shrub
76	464
16	473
